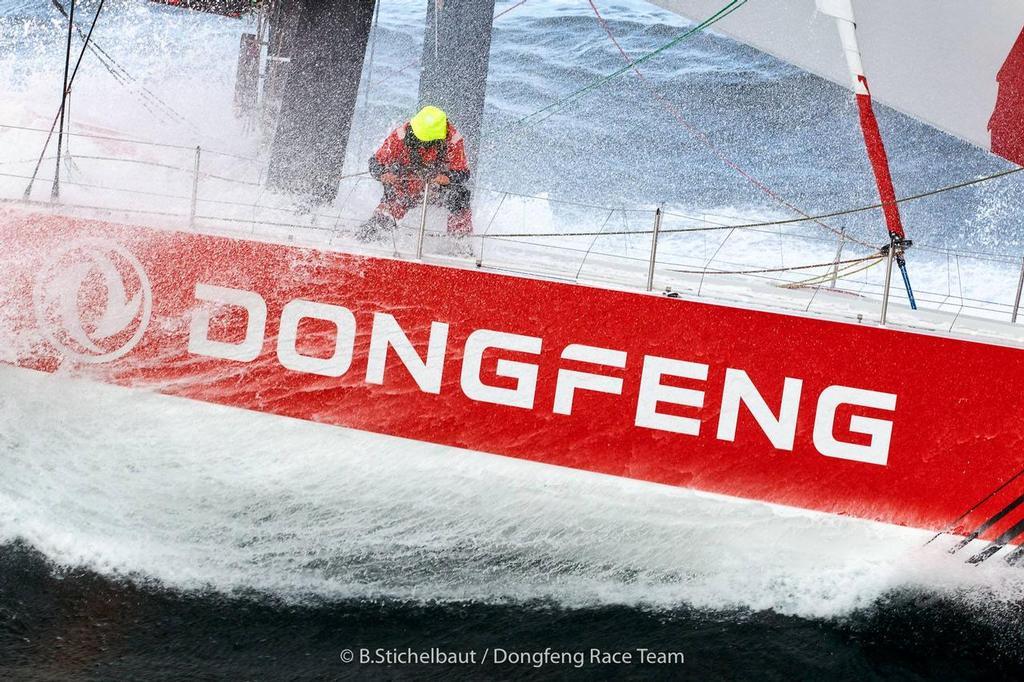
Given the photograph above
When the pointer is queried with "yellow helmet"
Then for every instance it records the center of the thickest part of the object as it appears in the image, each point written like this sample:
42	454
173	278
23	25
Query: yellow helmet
430	124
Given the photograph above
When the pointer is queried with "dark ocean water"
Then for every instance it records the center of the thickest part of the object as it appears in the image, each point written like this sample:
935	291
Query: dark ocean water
73	624
102	613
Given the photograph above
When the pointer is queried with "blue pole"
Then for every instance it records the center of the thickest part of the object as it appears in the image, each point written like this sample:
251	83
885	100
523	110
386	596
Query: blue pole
906	282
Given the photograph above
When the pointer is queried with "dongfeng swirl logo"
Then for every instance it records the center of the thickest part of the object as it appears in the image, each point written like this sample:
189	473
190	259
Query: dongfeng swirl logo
93	300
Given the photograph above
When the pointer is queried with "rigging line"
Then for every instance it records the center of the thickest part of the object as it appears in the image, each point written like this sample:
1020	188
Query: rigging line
769	223
842	273
703	137
127	140
98	51
709	261
763	270
67	86
125	78
490	223
786	221
567	202
509	9
505	131
403	69
949	188
593	241
872	207
147	97
373	49
438	6
8	162
617	233
725	11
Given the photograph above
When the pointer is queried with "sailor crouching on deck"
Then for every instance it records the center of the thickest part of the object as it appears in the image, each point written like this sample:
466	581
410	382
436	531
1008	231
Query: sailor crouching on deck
427	149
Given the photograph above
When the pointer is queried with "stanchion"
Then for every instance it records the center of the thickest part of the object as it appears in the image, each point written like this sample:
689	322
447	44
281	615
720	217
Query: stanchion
654	249
1016	300
839	257
423	222
195	189
55	188
888	280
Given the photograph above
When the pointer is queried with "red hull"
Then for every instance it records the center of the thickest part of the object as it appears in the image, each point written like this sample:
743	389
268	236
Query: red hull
953	407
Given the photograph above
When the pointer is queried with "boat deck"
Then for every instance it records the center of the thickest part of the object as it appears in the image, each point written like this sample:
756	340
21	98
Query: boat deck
798	268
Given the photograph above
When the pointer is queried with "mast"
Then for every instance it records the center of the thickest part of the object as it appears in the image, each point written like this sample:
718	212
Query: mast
456	52
319	98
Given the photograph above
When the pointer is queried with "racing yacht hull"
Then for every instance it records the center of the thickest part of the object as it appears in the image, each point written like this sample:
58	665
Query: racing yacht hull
843	418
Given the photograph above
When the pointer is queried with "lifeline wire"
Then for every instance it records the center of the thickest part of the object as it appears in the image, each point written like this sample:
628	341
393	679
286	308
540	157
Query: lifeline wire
786	221
828	264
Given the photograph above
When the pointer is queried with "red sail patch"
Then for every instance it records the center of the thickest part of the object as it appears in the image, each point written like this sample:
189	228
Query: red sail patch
1007	122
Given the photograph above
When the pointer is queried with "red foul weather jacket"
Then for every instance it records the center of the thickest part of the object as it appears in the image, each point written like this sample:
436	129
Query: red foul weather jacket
402	154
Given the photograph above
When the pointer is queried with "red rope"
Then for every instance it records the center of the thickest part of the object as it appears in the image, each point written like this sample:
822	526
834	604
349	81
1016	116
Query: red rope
509	9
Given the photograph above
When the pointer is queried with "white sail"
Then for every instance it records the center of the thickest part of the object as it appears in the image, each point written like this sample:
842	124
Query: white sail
956	65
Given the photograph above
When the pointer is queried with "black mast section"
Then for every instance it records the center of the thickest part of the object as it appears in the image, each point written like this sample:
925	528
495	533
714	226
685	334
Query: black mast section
319	98
456	52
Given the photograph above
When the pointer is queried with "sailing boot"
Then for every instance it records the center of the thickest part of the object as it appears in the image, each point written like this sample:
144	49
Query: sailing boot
376	228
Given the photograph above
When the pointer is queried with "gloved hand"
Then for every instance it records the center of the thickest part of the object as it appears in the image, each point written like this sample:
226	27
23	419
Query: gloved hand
389	179
442	180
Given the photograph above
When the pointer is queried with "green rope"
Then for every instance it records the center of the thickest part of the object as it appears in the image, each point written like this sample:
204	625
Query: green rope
728	9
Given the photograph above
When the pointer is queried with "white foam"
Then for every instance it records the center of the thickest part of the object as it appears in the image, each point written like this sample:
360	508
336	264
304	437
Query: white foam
198	496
